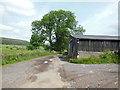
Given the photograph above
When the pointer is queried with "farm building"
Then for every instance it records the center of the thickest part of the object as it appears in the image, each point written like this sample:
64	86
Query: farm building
86	45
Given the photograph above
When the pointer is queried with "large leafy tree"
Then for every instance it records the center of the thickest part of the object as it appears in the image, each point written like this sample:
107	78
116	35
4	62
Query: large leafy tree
55	27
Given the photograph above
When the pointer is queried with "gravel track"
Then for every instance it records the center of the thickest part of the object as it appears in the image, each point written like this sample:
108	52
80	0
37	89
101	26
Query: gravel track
90	75
58	73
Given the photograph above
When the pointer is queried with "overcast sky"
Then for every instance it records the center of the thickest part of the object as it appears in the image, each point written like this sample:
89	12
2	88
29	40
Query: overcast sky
98	17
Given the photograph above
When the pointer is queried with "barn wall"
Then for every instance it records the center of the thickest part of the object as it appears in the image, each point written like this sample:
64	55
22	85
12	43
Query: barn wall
97	45
76	45
84	54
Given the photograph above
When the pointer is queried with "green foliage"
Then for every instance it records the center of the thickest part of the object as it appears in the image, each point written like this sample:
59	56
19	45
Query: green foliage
108	55
78	30
105	57
36	41
55	27
36	44
30	47
35	38
9	41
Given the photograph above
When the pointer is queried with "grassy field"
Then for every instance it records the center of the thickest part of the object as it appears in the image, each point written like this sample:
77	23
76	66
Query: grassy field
105	57
16	53
14	49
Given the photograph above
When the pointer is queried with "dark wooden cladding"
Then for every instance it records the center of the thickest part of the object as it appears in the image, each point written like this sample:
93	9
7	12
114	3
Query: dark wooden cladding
97	45
73	47
79	43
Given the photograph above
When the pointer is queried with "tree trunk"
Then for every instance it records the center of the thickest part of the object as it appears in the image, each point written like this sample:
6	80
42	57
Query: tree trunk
50	40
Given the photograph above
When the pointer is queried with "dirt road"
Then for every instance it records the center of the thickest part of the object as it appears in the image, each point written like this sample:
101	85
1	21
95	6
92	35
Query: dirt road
53	72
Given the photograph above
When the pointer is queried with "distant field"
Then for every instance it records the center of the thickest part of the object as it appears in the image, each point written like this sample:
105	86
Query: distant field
13	49
10	41
17	53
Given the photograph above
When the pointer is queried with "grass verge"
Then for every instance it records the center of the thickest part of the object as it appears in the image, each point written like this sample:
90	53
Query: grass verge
15	53
11	59
106	57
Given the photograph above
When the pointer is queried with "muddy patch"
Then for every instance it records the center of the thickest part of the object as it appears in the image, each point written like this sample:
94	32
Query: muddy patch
41	66
62	74
32	78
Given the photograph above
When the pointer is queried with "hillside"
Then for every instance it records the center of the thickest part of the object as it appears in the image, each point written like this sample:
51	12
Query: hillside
10	41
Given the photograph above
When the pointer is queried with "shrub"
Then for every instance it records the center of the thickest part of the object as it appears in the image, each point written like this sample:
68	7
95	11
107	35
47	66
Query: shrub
36	44
7	47
11	48
41	48
30	47
107	55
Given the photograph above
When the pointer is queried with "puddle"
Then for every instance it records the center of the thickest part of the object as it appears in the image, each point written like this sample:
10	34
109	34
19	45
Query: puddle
45	62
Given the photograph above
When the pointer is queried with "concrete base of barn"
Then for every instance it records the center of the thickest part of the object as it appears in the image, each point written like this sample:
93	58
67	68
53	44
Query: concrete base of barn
85	54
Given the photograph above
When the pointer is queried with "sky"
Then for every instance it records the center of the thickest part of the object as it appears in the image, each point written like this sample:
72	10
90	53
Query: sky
98	17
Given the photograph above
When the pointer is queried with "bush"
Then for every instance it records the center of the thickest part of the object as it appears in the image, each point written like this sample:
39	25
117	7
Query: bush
41	48
30	47
107	55
36	44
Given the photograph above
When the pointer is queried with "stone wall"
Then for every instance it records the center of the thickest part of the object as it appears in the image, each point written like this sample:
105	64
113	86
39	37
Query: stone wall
82	54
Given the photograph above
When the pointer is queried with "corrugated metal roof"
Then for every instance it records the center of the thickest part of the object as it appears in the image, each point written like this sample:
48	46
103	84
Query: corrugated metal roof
96	37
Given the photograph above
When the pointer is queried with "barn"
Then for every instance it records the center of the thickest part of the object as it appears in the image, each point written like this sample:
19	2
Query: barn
86	45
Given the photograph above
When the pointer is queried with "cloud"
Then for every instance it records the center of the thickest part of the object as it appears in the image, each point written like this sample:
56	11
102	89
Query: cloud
13	32
104	22
21	11
22	7
2	10
27	35
16	30
14	13
5	27
74	0
24	24
25	4
20	25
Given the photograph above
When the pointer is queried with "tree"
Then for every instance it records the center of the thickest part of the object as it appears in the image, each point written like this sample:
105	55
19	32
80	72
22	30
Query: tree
78	30
55	27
